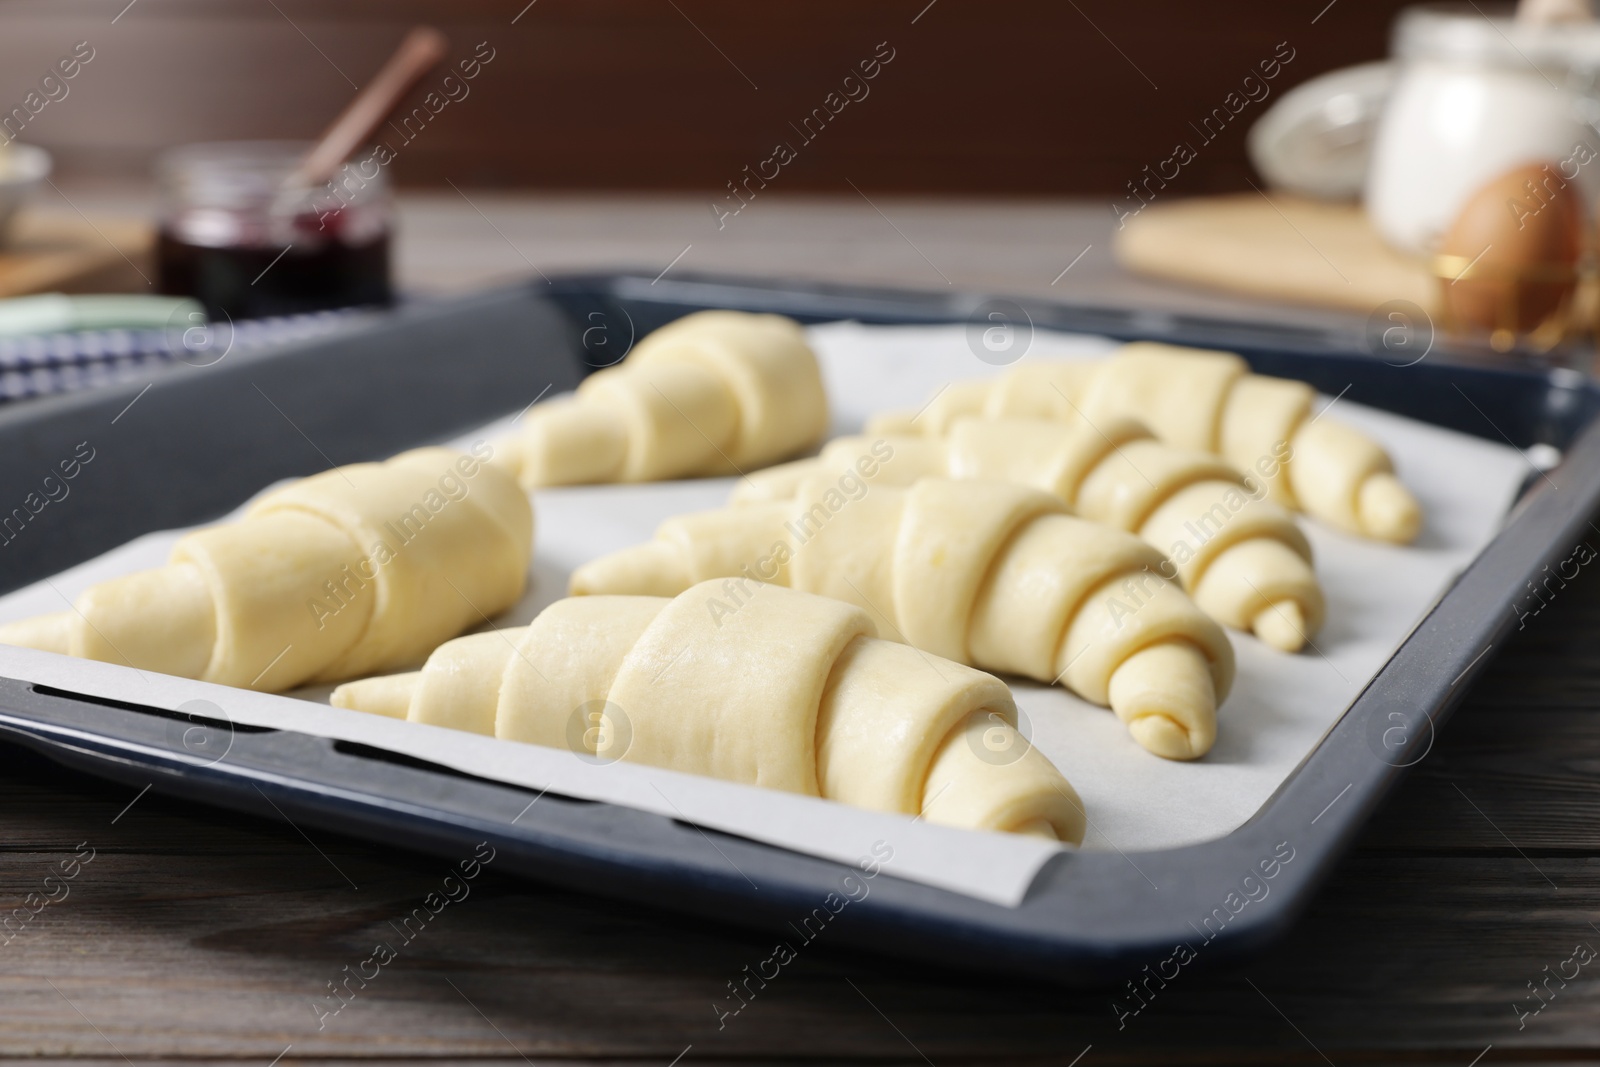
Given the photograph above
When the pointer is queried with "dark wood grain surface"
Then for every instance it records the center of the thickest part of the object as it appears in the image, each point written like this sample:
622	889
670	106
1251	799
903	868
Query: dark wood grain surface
201	935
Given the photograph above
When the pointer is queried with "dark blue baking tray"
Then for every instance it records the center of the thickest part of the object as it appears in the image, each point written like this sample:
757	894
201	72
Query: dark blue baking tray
198	440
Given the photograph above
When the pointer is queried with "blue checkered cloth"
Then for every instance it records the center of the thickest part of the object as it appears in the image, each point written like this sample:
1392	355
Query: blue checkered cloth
46	364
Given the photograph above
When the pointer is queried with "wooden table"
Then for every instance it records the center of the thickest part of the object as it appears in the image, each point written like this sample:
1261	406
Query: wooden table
206	936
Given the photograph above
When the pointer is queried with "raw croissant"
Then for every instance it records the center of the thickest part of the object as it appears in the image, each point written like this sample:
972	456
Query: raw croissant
788	691
1241	557
985	573
1210	402
717	392
355	570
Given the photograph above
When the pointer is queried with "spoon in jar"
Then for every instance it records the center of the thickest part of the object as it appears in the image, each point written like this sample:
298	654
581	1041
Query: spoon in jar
421	50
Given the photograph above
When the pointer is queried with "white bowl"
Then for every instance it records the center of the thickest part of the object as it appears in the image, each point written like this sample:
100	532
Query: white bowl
23	168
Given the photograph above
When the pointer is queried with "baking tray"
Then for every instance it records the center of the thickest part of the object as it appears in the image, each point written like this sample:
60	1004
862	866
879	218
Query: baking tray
197	441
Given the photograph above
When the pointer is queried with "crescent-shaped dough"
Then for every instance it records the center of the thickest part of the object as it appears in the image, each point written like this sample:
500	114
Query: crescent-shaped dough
986	573
716	392
1241	557
1207	401
354	570
787	690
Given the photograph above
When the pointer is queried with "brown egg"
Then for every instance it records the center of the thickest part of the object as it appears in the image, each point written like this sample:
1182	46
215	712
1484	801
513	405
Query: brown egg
1510	258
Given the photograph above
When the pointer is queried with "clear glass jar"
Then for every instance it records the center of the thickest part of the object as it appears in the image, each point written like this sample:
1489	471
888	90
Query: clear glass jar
234	239
1478	95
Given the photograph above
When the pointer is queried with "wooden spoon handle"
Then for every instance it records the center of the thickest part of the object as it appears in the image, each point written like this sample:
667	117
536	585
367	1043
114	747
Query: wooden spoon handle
422	50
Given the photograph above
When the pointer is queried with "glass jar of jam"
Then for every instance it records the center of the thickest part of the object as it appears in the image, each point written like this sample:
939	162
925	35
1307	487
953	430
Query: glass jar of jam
234	238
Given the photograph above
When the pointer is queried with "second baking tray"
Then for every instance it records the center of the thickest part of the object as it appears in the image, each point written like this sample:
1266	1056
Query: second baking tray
198	441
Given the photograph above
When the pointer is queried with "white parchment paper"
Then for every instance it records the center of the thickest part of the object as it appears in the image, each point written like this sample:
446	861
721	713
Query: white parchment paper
1279	709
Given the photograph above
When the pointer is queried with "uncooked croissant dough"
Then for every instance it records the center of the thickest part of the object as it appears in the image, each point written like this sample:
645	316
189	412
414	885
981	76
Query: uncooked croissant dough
1207	401
1242	557
986	573
717	392
358	569
786	690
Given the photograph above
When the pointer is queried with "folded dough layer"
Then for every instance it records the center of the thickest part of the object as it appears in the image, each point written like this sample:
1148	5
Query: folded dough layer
789	691
1207	401
716	392
357	569
985	573
1240	556
459	555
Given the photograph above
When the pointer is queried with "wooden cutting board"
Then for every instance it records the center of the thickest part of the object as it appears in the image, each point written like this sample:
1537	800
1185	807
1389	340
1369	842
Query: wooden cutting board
59	253
1283	248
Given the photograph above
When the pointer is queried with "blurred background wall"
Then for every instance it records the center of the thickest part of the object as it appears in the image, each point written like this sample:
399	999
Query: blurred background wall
1014	97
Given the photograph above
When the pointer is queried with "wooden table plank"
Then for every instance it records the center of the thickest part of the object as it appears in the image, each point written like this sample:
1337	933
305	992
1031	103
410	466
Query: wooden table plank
226	955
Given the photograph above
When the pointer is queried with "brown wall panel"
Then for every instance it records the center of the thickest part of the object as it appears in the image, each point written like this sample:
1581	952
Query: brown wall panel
1007	97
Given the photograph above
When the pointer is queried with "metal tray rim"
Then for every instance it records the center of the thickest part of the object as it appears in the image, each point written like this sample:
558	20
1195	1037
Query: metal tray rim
1089	916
